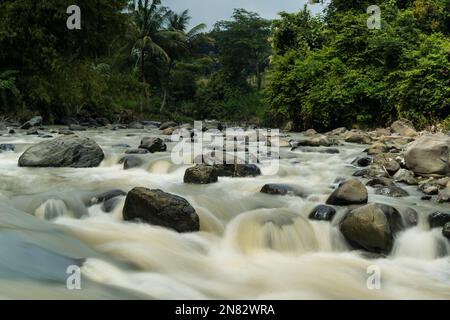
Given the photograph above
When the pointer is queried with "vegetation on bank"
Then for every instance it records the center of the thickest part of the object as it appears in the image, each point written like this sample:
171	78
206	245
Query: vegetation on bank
139	59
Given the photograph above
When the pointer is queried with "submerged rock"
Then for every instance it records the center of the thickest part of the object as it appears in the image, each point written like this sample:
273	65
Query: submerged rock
349	192
201	174
105	196
281	189
131	161
136	151
161	209
372	227
64	151
382	181
322	213
153	145
7	147
362	161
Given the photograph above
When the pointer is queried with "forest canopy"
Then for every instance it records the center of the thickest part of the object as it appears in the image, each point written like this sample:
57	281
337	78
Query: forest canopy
140	59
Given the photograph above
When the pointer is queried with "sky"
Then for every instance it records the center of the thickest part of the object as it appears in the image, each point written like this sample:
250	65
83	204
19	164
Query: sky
211	11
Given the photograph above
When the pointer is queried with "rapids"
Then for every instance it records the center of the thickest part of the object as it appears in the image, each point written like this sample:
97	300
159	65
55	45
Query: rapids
251	245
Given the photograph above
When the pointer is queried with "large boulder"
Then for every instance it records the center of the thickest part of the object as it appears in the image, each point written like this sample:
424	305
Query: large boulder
372	227
153	144
404	128
349	192
33	122
429	155
64	151
159	208
201	174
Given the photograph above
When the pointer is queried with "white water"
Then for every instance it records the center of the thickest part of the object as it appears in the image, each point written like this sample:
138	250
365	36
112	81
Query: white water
251	245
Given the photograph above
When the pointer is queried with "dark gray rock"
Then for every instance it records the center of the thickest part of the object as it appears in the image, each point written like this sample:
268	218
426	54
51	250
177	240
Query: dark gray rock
237	170
281	189
7	147
153	145
446	230
136	151
438	219
362	161
380	182
64	151
322	213
201	174
105	196
131	161
162	209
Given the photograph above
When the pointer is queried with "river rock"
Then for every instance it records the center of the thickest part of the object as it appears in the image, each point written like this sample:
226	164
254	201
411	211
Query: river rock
438	219
237	170
405	176
310	132
201	174
380	182
373	171
429	155
388	163
410	217
337	131
358	137
136	151
372	227
33	122
281	189
136	125
64	151
404	128
377	148
168	131
105	196
153	145
446	230
7	147
349	192
429	189
167	124
159	208
322	213
316	141
362	161
131	161
76	127
444	195
392	191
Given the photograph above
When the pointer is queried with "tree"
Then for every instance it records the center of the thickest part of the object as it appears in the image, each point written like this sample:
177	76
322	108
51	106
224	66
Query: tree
243	45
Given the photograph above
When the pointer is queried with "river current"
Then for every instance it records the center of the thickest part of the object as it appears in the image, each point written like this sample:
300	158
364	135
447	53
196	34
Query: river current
251	245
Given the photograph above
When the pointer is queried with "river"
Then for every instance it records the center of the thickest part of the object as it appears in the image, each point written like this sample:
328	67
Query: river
251	245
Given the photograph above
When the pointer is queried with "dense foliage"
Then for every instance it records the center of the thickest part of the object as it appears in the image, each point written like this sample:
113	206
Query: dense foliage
334	71
140	59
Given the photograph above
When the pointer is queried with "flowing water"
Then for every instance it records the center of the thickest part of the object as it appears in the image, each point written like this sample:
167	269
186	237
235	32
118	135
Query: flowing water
251	245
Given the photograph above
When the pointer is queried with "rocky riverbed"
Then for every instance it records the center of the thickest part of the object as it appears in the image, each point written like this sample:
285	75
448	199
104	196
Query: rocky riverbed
110	200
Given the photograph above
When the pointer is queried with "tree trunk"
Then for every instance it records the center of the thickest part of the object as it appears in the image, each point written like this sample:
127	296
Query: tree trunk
165	93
